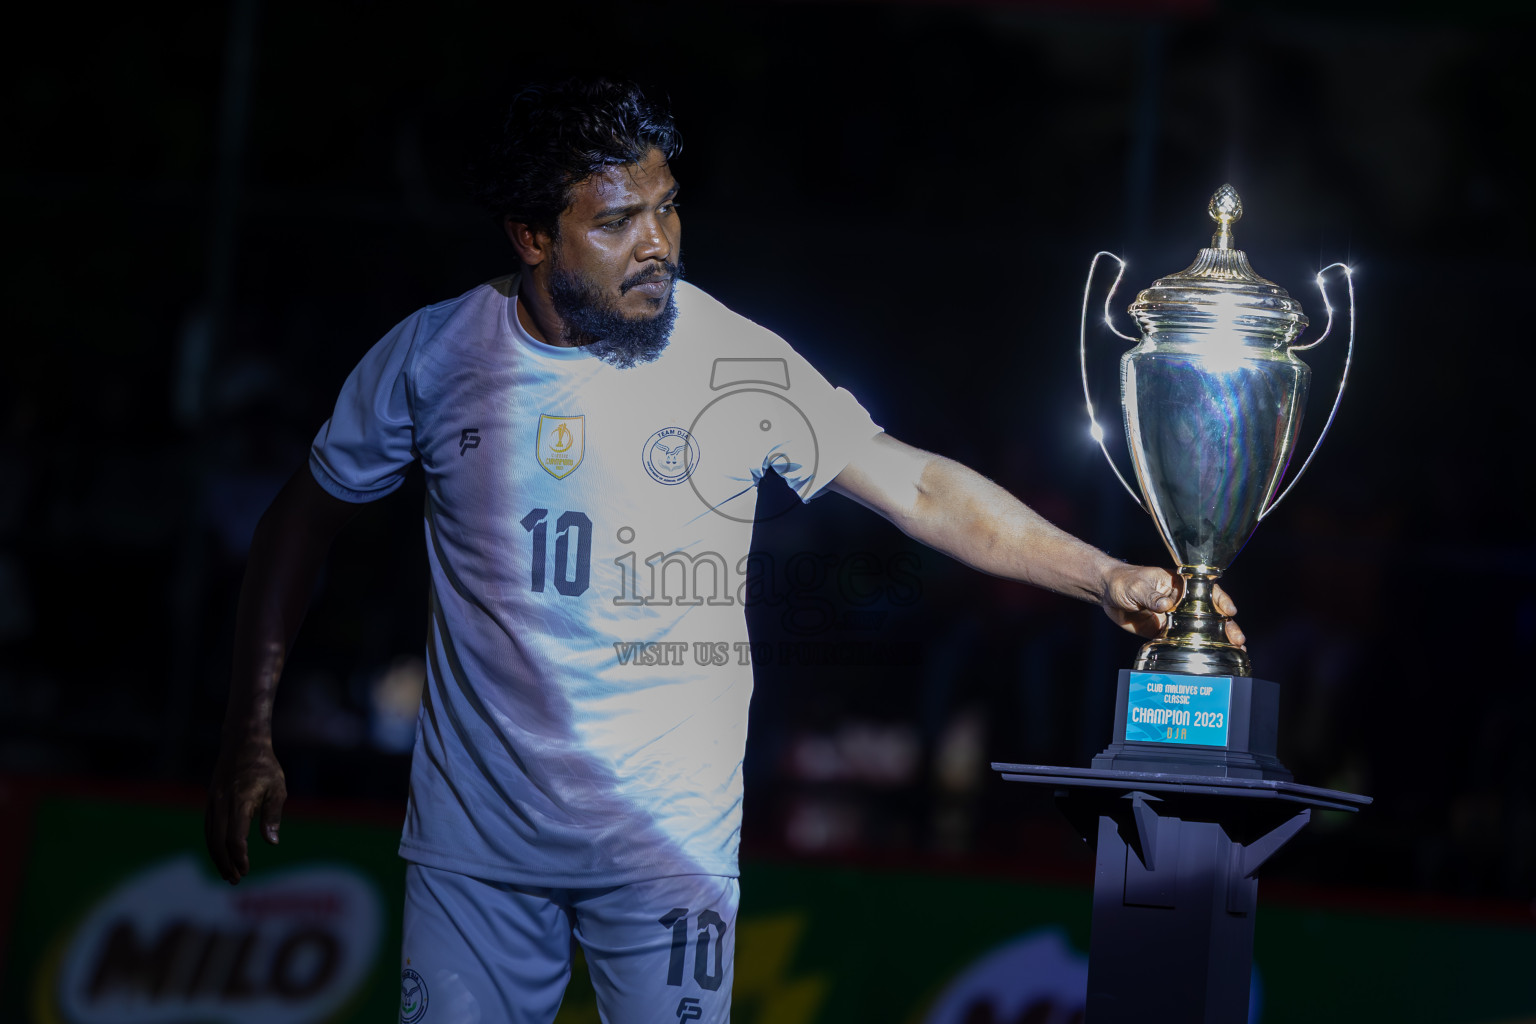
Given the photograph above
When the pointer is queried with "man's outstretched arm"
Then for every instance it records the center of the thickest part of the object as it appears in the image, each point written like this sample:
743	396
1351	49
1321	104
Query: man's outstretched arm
287	553
963	514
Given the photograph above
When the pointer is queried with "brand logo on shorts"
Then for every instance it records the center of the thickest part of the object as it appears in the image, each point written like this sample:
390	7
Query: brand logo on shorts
670	455
413	997
689	1009
561	444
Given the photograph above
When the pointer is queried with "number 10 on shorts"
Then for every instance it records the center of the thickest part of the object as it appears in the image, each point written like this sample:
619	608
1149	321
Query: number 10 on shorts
709	949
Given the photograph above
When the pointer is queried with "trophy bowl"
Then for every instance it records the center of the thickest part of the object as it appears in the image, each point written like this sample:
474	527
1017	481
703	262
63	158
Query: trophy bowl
1213	395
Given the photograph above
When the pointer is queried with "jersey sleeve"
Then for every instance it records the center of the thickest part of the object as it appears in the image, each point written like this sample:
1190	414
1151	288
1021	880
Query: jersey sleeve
823	428
843	427
363	450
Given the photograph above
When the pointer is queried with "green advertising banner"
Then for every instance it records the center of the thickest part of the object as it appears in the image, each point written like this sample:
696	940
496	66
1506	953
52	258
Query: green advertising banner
119	918
115	916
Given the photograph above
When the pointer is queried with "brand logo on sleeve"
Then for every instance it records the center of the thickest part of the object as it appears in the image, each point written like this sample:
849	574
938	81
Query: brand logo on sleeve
561	444
670	455
469	438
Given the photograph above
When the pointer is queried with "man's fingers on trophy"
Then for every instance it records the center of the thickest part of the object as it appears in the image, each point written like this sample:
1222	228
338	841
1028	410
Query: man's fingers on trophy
1144	624
1223	601
1235	635
1166	590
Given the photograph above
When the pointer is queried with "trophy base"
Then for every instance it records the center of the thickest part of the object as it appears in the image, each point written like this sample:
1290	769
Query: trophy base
1186	724
1193	658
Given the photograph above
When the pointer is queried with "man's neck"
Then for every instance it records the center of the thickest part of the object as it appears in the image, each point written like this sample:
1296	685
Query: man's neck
536	313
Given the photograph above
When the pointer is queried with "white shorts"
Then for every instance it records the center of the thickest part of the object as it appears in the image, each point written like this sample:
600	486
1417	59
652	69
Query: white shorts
479	952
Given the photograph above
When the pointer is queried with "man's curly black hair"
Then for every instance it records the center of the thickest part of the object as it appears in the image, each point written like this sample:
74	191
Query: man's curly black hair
556	136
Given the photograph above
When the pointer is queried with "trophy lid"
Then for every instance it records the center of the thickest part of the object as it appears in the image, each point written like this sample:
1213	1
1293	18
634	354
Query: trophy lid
1220	290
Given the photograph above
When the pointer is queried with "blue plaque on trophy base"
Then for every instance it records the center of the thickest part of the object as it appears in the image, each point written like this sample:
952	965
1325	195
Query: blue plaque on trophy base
1163	707
1179	724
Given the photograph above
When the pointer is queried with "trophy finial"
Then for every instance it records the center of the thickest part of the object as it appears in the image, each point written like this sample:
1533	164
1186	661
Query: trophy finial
1226	209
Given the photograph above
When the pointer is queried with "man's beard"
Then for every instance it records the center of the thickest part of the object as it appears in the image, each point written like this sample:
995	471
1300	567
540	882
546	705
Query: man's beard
593	322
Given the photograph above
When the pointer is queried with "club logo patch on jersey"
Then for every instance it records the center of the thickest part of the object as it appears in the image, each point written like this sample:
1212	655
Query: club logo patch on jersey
561	444
670	455
413	997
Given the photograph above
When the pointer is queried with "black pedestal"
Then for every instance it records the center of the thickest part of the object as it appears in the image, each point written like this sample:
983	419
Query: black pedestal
1180	833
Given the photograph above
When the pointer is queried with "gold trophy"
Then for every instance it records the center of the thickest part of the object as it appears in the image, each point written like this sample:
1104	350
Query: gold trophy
1213	395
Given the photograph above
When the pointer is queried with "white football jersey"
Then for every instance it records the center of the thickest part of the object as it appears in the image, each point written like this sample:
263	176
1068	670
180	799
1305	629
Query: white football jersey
587	531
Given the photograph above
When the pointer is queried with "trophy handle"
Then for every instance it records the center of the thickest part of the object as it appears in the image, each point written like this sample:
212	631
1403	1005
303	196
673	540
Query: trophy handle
1349	354
1082	355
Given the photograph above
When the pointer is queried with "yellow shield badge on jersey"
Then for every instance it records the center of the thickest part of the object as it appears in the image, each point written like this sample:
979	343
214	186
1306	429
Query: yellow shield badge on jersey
562	444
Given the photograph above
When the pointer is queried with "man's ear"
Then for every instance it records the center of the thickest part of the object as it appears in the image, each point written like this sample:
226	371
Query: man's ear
533	246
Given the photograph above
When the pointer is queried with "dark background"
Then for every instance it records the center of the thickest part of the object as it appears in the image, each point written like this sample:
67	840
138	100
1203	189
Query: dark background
216	210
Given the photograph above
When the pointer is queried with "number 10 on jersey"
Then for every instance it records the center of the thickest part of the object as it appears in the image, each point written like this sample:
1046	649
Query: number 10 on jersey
568	583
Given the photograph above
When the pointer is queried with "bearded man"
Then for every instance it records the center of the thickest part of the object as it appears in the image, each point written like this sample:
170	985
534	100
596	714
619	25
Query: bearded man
576	769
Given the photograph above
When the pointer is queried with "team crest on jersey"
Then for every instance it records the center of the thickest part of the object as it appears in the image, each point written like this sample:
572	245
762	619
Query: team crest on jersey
562	444
670	455
413	997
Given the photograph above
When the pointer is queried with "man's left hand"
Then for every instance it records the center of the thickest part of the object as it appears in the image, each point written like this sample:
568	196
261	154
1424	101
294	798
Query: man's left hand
1138	598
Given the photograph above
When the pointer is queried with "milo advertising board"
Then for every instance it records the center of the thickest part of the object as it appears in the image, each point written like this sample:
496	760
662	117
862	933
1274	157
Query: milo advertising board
119	918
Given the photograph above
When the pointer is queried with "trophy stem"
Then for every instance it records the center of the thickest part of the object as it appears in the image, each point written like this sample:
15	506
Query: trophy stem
1195	642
